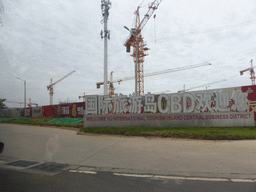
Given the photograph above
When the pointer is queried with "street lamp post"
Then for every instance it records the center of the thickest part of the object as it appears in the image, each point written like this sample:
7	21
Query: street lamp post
24	96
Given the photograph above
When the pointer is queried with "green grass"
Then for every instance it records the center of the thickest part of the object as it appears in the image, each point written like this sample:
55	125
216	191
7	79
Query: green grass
206	133
42	119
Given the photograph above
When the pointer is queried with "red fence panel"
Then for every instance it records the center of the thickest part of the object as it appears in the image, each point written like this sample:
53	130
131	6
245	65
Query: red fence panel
74	110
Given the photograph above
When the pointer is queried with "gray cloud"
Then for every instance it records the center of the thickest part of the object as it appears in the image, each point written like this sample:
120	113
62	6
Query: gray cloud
48	39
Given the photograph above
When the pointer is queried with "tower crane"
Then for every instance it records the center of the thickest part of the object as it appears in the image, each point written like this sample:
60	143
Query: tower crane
251	69
111	86
205	85
161	92
111	92
83	96
50	87
29	104
139	47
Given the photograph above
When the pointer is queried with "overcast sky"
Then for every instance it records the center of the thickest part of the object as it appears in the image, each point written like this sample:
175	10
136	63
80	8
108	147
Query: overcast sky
40	40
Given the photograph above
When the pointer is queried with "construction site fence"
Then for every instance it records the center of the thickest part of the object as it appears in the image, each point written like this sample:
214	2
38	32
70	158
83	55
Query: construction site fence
72	110
66	120
236	98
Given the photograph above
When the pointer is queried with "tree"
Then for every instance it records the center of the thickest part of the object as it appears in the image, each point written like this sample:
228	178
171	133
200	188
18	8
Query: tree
2	105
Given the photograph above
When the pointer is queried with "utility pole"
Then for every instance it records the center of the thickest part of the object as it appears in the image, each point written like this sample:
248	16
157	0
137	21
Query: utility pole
105	6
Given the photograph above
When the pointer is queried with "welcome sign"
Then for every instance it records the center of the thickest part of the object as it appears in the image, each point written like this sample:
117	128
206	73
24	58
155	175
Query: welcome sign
221	107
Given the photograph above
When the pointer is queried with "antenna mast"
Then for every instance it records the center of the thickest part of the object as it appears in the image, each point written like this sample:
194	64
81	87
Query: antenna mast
105	6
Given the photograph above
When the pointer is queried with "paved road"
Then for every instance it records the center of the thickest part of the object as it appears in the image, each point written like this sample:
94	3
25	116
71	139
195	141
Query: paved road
12	181
222	159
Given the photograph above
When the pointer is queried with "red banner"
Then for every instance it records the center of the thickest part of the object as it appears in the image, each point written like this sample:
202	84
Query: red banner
74	110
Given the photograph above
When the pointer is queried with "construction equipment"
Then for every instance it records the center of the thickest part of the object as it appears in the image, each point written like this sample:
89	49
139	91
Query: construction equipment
29	104
110	83
111	92
251	69
161	92
205	85
139	47
83	96
111	86
50	87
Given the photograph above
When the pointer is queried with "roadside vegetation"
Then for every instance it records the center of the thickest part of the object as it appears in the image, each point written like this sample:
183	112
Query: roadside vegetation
203	133
44	121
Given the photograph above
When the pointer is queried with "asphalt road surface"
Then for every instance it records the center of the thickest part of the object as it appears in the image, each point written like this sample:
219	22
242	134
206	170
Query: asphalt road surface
119	163
12	181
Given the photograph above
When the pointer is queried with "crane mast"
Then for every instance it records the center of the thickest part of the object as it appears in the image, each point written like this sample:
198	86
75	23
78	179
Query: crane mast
50	87
251	69
111	86
29	104
139	47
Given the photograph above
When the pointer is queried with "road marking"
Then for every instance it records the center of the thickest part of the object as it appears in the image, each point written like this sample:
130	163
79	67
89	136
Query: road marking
73	171
184	178
191	178
88	172
132	175
168	177
242	180
205	179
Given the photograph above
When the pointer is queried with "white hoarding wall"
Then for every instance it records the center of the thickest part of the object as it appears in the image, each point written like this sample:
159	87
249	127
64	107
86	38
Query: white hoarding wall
234	119
17	112
210	101
5	112
220	107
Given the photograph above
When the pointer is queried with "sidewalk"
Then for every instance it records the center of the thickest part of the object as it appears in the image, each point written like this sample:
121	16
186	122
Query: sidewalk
138	155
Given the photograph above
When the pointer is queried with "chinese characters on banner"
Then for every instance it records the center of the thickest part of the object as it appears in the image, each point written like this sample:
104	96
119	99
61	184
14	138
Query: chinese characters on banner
74	110
194	102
